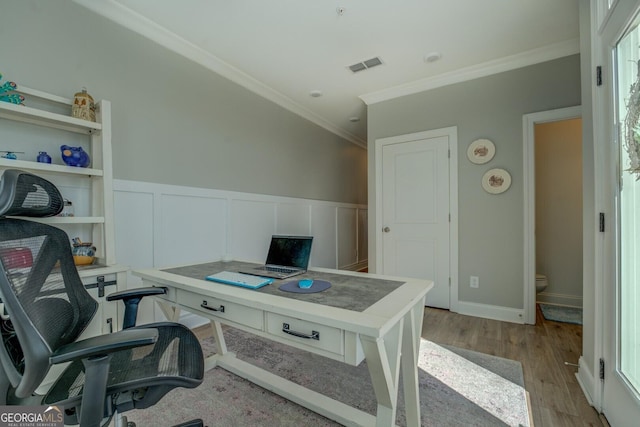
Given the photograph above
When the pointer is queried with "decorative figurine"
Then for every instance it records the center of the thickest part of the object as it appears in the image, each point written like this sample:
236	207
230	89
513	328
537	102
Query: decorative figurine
83	253
12	98
43	157
83	106
11	155
74	156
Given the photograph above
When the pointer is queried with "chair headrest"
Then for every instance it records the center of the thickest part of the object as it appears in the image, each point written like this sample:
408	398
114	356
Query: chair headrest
25	194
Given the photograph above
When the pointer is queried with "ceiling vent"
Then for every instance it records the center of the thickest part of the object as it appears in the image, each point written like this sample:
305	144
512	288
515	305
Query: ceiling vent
364	65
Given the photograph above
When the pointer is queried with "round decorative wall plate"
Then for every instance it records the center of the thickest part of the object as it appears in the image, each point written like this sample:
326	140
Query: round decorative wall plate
481	151
496	181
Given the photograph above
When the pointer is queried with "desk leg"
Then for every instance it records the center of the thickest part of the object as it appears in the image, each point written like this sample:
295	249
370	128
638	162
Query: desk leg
214	360
219	337
383	360
172	313
410	352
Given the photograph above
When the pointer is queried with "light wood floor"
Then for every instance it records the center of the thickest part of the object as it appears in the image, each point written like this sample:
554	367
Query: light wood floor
556	398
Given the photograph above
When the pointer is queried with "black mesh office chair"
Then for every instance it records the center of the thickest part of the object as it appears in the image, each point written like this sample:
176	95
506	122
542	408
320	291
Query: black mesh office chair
48	308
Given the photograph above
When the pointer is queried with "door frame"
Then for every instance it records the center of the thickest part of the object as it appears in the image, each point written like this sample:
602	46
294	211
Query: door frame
528	176
616	398
452	134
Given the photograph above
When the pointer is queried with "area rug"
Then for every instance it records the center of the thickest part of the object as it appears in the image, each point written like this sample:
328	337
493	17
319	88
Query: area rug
457	388
559	313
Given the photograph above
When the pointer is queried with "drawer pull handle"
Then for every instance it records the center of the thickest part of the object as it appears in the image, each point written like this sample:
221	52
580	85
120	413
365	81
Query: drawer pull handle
206	307
315	335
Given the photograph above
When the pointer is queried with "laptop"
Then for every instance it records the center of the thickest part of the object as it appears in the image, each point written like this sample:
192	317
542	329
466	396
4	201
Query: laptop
288	256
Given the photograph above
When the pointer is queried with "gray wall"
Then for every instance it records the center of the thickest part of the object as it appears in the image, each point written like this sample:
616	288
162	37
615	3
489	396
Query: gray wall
491	237
175	122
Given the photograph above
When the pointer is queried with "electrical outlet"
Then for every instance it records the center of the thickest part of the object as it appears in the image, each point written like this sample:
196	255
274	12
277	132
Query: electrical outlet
474	282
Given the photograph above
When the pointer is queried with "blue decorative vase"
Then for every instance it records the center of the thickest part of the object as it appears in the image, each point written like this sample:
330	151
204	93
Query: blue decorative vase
74	156
43	157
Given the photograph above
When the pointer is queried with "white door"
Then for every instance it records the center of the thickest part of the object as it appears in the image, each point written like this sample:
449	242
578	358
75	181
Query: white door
621	326
415	213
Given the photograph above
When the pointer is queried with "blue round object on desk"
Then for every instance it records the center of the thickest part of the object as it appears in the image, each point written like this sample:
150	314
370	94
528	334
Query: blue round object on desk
316	286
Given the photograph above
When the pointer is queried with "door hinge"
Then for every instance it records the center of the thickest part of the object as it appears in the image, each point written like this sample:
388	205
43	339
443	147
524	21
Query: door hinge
599	75
602	369
601	222
449	217
449	281
449	153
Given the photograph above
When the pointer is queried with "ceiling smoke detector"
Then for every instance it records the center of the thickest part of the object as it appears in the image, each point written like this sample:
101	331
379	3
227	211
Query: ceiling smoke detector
365	65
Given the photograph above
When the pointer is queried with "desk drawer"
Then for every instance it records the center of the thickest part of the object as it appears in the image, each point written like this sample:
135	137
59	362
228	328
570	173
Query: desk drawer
221	309
306	333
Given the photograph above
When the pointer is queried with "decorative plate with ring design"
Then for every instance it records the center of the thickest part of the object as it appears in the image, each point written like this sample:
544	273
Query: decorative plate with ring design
481	151
496	181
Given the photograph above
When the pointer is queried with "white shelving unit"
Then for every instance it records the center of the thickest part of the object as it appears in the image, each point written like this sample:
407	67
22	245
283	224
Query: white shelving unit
53	112
99	174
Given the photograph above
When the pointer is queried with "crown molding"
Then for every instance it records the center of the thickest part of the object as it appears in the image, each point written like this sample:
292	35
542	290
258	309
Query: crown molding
524	59
137	23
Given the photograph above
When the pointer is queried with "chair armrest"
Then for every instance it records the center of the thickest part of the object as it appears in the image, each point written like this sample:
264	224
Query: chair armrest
136	293
104	344
131	299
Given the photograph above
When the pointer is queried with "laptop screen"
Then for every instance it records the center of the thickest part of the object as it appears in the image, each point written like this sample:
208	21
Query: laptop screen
290	251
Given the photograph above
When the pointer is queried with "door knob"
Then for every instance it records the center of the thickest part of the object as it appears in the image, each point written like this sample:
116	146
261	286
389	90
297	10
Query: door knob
386	229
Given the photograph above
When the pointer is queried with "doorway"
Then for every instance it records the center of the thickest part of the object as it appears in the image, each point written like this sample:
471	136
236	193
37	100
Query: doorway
416	221
529	169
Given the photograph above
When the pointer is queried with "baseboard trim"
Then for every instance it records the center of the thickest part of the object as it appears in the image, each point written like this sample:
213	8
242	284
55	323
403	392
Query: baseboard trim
586	380
559	299
487	311
362	265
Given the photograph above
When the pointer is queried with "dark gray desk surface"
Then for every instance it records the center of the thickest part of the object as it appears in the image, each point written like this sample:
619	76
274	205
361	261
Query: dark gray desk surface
355	293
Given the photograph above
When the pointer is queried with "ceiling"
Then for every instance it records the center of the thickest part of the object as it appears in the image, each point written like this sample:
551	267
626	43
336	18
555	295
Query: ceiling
288	50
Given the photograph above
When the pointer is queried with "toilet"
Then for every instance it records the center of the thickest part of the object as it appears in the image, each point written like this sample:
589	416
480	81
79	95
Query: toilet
541	283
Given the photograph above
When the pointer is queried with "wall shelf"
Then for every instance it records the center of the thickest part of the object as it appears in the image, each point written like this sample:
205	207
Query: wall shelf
48	167
26	114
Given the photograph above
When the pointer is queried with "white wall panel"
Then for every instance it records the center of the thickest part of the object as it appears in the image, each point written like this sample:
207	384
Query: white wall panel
363	236
134	242
192	229
323	230
293	219
252	225
133	212
347	238
162	225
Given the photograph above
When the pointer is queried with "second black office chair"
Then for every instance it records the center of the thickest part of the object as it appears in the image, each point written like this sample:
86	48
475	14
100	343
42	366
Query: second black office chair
49	307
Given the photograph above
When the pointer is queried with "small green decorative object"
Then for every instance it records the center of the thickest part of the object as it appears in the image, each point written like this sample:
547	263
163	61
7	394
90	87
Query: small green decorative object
5	93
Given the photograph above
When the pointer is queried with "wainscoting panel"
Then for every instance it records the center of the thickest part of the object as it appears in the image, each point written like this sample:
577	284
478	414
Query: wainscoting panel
347	219
363	234
192	229
324	231
293	219
160	225
252	224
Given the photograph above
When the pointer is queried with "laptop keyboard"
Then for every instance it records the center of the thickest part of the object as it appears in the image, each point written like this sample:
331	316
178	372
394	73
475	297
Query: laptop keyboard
280	269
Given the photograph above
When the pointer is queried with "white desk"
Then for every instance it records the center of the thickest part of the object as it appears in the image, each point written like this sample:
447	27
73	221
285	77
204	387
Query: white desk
361	316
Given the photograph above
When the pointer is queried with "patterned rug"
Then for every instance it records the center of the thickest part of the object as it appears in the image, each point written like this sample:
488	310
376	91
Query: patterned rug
457	388
559	313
